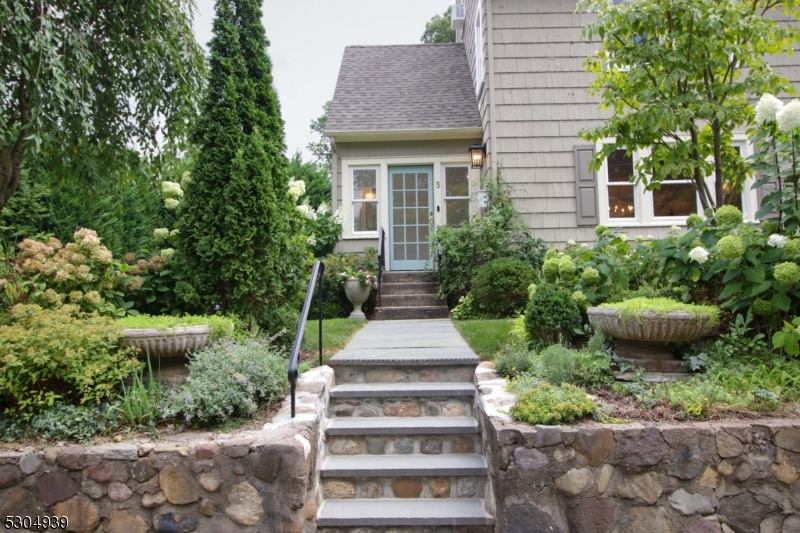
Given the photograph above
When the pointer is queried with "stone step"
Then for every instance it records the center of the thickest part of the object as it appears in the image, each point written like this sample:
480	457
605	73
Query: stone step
422	425
410	300
409	529
407	313
409	407
403	357
413	373
420	487
401	390
418	276
425	287
402	512
355	466
400	445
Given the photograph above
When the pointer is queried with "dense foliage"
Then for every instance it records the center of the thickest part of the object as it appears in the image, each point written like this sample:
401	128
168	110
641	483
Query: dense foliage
83	81
228	380
499	233
500	287
239	246
49	356
552	314
438	29
317	179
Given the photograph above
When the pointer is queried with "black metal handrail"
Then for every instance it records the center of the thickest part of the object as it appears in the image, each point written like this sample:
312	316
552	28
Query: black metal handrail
316	273
381	262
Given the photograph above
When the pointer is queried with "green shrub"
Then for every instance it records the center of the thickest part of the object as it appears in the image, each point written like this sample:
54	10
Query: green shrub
789	337
557	364
50	355
550	404
67	422
500	287
281	325
221	327
551	314
228	380
513	359
466	309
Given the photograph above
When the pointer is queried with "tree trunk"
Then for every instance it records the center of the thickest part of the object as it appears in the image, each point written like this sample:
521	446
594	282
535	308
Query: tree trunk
719	188
10	170
699	179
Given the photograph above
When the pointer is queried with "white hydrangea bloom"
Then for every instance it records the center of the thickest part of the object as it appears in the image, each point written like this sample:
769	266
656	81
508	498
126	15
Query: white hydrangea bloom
167	253
186	179
324	208
789	116
160	234
312	240
170	189
651	238
306	211
777	241
623	237
338	216
297	188
675	229
571	242
174	232
767	108
699	254
171	203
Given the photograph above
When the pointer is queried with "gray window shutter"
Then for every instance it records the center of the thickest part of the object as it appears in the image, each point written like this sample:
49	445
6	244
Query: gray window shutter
586	187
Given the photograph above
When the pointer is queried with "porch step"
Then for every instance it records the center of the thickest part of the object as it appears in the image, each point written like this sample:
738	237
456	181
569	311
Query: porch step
402	390
418	425
405	313
402	444
403	512
442	405
404	465
390	289
410	300
418	276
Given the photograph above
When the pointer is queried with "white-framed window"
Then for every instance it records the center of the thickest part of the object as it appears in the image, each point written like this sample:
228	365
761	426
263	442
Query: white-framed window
365	199
625	204
478	46
456	195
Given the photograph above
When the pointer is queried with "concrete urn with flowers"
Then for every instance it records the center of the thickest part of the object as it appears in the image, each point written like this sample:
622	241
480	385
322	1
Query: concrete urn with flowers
357	286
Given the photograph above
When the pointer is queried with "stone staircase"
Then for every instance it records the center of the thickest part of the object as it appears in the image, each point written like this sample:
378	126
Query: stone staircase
409	295
403	445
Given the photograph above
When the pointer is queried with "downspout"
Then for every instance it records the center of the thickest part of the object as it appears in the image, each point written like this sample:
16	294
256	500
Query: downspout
490	81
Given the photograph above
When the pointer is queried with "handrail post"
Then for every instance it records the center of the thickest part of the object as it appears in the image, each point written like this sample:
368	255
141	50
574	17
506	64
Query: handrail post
319	320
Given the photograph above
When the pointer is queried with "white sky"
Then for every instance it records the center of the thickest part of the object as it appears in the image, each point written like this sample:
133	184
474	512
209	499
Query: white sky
307	40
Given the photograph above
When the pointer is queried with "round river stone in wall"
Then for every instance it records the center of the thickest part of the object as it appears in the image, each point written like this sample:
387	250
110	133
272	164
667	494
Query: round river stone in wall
178	486
245	505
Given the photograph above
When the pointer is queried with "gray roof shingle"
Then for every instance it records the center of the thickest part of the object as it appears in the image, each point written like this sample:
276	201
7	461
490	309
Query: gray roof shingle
403	87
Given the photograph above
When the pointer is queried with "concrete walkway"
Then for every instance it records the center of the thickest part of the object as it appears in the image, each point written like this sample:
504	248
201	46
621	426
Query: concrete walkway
406	341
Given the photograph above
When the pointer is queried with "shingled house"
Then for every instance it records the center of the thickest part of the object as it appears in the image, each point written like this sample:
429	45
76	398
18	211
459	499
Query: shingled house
404	117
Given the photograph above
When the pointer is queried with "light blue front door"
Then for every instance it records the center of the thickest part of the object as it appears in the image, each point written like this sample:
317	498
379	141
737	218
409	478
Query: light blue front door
411	193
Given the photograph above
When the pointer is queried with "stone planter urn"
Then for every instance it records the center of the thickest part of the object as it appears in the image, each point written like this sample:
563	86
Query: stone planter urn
167	348
357	294
642	337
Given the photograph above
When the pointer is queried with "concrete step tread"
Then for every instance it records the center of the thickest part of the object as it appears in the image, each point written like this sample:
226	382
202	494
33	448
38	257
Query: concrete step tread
403	512
420	425
401	390
404	465
417	307
405	356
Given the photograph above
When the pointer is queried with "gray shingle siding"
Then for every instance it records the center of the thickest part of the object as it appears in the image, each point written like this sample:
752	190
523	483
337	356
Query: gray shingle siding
408	87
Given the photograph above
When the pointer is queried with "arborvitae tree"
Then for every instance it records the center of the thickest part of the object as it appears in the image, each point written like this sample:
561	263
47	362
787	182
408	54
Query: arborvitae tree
235	215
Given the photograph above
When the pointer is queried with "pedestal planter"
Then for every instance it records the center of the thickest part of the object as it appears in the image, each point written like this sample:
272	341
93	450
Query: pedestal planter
167	348
357	294
642	336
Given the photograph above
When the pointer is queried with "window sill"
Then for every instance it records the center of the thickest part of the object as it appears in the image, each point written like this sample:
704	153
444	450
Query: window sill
364	235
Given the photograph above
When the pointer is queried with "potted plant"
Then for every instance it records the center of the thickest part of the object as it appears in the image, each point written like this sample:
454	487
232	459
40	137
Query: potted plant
167	339
358	285
644	325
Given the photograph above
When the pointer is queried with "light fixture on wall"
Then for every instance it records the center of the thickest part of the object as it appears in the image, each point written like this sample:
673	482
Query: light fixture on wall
477	153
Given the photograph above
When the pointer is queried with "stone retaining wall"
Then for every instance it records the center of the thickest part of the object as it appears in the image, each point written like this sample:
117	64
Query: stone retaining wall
632	478
262	481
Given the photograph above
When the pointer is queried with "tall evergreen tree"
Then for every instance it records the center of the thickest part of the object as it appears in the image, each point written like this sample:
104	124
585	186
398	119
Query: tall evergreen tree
235	216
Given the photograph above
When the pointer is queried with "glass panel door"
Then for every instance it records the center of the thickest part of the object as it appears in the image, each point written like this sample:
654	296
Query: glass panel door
409	217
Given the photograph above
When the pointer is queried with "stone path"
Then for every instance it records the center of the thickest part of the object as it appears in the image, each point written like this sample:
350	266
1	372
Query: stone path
403	443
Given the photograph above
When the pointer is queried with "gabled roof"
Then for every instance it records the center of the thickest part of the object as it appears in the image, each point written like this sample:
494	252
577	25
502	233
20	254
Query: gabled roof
403	88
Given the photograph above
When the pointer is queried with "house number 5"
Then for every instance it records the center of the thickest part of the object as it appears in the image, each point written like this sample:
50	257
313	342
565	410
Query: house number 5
438	184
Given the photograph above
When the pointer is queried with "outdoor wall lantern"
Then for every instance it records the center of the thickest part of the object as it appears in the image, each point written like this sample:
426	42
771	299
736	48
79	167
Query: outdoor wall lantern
477	153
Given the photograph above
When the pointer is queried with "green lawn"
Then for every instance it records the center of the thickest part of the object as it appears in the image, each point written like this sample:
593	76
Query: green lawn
485	337
336	333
